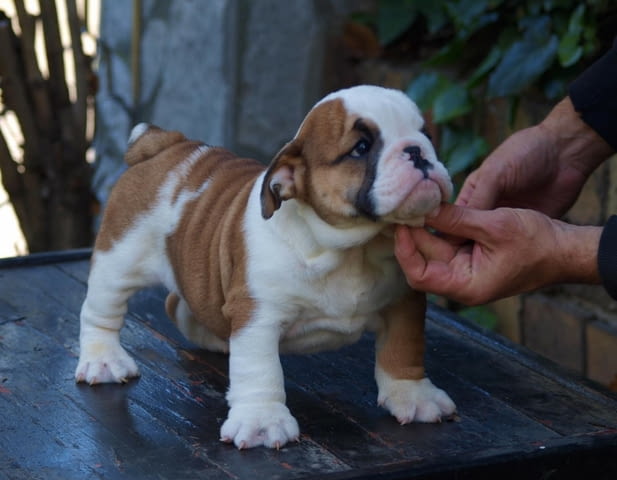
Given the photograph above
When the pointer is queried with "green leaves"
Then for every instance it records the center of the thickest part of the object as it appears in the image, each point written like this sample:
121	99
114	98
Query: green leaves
489	62
484	49
451	103
570	48
525	60
446	99
461	149
425	87
394	17
481	316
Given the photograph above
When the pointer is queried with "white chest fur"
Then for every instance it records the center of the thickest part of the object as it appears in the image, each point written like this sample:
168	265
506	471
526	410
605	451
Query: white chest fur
337	308
321	296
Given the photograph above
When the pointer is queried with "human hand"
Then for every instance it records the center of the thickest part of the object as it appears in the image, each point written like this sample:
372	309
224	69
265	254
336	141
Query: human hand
543	167
510	251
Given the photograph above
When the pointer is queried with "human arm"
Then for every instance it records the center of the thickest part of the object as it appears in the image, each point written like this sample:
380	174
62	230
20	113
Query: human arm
543	167
511	251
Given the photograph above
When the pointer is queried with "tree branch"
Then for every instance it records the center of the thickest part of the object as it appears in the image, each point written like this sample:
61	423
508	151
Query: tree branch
81	73
14	93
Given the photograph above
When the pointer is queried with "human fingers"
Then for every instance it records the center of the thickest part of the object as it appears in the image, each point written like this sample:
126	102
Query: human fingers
480	190
462	222
509	171
408	255
430	263
416	246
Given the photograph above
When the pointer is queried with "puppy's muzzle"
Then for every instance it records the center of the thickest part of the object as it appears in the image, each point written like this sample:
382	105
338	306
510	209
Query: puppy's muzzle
419	162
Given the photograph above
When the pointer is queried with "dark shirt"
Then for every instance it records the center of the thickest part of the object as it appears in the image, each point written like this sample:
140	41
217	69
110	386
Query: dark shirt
594	96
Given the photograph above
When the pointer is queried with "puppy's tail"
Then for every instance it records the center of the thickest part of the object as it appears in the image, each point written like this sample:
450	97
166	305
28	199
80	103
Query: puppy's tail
147	140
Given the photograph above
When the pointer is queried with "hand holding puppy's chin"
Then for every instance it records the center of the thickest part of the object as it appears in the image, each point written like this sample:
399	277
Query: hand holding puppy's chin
417	220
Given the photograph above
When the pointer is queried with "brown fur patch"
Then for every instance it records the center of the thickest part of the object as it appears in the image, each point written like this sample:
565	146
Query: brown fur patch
153	141
207	250
323	178
400	345
136	190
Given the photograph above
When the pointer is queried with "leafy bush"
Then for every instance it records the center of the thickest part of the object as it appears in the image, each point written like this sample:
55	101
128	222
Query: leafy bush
486	49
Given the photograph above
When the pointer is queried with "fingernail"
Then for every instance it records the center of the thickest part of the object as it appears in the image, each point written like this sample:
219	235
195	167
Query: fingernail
434	213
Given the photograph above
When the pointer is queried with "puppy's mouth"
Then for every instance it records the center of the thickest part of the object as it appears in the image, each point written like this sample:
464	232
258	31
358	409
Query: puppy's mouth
423	198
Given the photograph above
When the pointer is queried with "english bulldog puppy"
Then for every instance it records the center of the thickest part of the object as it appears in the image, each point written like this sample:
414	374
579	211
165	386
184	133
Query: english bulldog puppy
296	257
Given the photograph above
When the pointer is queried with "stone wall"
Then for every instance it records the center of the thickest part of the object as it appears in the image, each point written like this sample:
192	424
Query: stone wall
235	73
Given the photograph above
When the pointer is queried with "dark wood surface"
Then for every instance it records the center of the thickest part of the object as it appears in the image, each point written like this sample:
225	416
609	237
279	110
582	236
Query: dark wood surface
519	416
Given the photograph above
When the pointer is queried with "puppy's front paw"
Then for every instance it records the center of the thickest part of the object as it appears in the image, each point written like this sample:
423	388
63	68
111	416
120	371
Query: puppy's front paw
253	424
415	401
105	362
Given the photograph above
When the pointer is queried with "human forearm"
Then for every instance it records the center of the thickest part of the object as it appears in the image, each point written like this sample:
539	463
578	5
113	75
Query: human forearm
573	143
576	253
543	167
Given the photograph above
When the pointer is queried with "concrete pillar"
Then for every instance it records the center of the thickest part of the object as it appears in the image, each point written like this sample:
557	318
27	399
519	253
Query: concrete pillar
235	73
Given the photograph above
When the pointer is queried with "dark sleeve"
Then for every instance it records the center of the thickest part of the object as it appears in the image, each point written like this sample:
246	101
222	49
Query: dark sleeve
594	96
607	257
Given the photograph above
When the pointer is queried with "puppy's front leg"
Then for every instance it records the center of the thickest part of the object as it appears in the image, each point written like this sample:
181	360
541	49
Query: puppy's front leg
258	414
399	369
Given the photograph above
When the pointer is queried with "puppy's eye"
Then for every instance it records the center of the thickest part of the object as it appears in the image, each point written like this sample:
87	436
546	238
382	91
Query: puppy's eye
360	149
426	134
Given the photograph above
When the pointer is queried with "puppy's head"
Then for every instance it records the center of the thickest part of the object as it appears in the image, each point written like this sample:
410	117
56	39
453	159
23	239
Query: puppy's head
360	155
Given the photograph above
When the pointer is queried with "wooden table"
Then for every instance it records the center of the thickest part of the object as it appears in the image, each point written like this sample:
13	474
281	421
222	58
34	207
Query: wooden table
519	416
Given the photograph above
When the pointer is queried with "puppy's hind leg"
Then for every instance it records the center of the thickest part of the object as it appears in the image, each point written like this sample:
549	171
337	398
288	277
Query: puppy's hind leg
114	277
178	311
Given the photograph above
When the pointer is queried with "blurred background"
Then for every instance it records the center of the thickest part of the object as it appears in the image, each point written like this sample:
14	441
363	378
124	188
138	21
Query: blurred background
76	75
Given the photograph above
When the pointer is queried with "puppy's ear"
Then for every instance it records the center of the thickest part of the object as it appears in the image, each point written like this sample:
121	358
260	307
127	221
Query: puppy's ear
283	179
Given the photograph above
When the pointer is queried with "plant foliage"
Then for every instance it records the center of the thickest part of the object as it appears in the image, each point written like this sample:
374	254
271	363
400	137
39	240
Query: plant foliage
488	49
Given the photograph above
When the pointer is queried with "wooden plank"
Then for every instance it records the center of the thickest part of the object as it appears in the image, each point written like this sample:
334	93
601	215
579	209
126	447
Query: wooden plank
341	385
168	390
484	423
44	258
515	410
567	407
50	415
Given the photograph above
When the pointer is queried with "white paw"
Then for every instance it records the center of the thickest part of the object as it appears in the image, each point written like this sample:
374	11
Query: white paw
269	424
415	401
105	362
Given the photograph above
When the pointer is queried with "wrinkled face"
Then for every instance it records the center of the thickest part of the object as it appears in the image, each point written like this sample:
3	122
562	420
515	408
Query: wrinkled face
360	154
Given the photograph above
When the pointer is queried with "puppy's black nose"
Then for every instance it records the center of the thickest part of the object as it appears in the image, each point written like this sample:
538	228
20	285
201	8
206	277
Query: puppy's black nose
419	162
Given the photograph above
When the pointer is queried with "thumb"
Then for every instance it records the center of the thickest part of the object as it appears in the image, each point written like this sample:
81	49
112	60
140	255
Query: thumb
459	221
471	195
